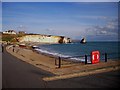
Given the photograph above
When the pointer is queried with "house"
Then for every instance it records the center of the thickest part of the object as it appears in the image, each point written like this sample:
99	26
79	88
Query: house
22	32
9	32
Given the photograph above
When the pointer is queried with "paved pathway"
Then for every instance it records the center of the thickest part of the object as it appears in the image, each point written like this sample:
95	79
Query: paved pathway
19	74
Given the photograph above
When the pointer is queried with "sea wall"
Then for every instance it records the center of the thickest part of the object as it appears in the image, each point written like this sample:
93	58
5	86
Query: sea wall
44	39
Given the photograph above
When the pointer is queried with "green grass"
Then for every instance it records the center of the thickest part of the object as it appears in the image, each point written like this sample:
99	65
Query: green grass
10	37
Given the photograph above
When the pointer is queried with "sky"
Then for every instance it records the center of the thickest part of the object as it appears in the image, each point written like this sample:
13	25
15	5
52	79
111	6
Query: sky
97	21
60	0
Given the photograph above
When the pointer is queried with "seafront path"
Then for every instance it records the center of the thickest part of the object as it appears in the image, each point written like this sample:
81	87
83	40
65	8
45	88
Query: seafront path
19	74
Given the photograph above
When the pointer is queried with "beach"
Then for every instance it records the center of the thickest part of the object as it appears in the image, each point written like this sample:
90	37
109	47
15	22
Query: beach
30	56
47	62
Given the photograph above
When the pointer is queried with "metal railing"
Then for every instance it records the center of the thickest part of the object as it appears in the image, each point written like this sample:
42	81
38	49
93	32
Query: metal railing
68	60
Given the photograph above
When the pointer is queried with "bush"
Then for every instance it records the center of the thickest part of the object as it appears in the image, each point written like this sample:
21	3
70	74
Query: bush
6	37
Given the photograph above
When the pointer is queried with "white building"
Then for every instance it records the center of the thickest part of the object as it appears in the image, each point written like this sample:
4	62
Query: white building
9	32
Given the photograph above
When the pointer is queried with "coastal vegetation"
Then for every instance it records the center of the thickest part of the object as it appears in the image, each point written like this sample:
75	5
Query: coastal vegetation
12	36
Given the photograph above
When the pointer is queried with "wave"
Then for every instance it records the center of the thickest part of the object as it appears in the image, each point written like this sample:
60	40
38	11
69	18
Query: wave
55	54
52	53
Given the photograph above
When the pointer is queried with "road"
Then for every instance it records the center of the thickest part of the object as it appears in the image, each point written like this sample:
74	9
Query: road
19	74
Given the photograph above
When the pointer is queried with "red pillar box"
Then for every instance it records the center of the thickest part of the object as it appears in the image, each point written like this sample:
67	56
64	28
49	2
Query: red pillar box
95	57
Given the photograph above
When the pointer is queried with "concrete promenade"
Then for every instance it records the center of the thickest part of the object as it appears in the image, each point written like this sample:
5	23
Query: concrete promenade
19	74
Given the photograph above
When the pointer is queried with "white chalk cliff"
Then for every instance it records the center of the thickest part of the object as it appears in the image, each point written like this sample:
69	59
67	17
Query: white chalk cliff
44	39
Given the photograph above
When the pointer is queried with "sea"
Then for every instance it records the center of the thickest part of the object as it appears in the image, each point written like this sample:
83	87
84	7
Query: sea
76	51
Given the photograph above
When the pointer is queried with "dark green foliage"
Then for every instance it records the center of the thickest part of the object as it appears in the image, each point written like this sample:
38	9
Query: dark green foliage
6	37
10	37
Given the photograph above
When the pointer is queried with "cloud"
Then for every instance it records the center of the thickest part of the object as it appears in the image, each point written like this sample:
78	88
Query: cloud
93	17
71	31
49	29
102	38
21	28
111	28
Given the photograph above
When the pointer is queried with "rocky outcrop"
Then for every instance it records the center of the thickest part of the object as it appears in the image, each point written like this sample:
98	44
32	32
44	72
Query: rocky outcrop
44	39
83	41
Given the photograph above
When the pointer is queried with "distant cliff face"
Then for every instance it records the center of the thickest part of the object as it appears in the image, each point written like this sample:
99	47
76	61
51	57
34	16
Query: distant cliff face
44	39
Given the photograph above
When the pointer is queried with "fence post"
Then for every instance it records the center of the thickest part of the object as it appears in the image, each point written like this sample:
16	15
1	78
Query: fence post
85	59
105	57
59	62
